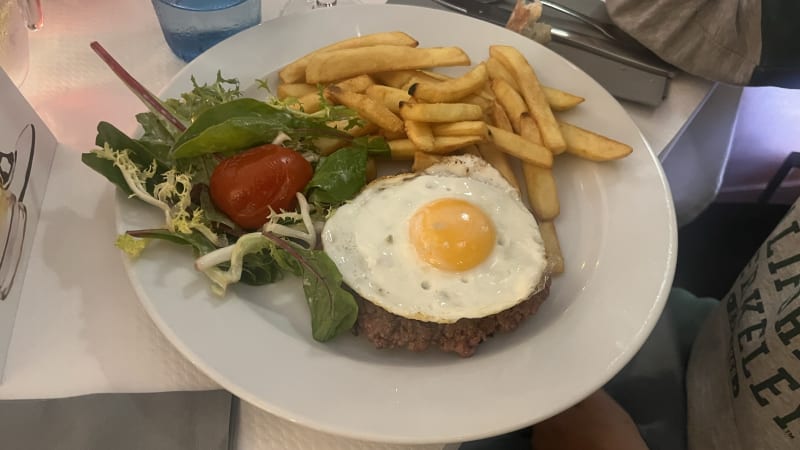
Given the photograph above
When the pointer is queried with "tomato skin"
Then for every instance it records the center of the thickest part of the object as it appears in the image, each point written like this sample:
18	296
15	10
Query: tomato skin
246	185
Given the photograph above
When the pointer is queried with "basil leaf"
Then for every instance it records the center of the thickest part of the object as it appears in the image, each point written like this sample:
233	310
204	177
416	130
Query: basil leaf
234	109
333	309
339	177
238	133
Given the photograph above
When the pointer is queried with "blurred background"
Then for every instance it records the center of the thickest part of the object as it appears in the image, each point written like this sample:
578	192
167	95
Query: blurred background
767	130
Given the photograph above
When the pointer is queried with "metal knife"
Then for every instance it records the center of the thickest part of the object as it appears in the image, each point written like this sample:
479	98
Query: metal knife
496	13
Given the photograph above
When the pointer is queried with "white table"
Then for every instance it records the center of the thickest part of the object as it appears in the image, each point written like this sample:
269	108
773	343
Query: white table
80	328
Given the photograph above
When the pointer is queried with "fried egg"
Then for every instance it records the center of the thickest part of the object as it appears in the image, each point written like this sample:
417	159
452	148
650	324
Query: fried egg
452	242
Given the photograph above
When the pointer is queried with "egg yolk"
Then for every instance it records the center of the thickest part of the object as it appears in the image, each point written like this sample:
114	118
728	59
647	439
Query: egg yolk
452	234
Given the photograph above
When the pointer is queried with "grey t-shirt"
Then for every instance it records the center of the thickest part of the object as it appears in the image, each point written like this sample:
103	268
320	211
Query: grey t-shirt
715	39
743	380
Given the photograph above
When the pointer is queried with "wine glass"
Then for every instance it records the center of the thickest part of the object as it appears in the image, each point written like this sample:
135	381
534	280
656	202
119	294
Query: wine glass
15	16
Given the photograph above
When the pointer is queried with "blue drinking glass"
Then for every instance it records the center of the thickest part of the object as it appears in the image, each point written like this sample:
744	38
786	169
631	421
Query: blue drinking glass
193	26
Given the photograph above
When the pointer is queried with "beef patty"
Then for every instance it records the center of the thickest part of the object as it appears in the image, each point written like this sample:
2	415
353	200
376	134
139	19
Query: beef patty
387	330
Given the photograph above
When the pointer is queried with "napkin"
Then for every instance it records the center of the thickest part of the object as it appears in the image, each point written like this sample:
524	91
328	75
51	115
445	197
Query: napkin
174	421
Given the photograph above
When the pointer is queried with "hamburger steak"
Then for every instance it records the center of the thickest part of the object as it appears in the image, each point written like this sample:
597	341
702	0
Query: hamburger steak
387	330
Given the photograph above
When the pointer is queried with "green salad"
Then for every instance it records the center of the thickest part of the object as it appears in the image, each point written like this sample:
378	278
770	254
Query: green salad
243	184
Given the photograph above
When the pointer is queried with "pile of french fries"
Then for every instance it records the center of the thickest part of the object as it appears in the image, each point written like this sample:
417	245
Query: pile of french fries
497	110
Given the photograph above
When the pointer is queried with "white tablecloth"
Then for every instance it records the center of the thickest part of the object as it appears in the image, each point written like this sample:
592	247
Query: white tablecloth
80	329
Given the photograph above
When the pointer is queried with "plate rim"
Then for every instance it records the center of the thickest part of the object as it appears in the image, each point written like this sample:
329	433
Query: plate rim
635	342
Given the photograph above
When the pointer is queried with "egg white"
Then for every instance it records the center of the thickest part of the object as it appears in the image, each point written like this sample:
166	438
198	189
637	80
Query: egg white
368	240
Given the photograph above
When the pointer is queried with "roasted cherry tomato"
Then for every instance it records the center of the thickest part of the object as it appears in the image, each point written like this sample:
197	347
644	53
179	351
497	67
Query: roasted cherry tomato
246	185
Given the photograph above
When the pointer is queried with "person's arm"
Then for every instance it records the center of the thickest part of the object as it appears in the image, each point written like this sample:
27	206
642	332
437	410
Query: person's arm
740	42
596	423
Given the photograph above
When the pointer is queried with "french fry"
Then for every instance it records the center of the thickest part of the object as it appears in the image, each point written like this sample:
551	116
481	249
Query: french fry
405	148
511	102
337	64
485	92
424	160
355	131
592	146
499	161
452	89
523	149
402	79
486	104
483	97
312	103
465	128
414	81
395	78
435	75
528	129
358	83
560	100
393	135
389	96
402	149
497	71
296	90
362	130
542	192
327	145
552	248
420	134
309	103
531	91
472	150
557	99
493	155
440	112
500	119
449	144
540	183
295	71
372	169
366	107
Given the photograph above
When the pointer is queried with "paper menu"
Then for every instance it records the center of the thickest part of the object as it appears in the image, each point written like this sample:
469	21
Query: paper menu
27	148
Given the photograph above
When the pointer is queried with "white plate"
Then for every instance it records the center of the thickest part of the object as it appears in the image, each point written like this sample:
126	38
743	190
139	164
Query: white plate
617	230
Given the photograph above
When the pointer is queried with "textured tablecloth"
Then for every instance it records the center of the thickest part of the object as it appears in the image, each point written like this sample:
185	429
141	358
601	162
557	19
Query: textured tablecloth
80	328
